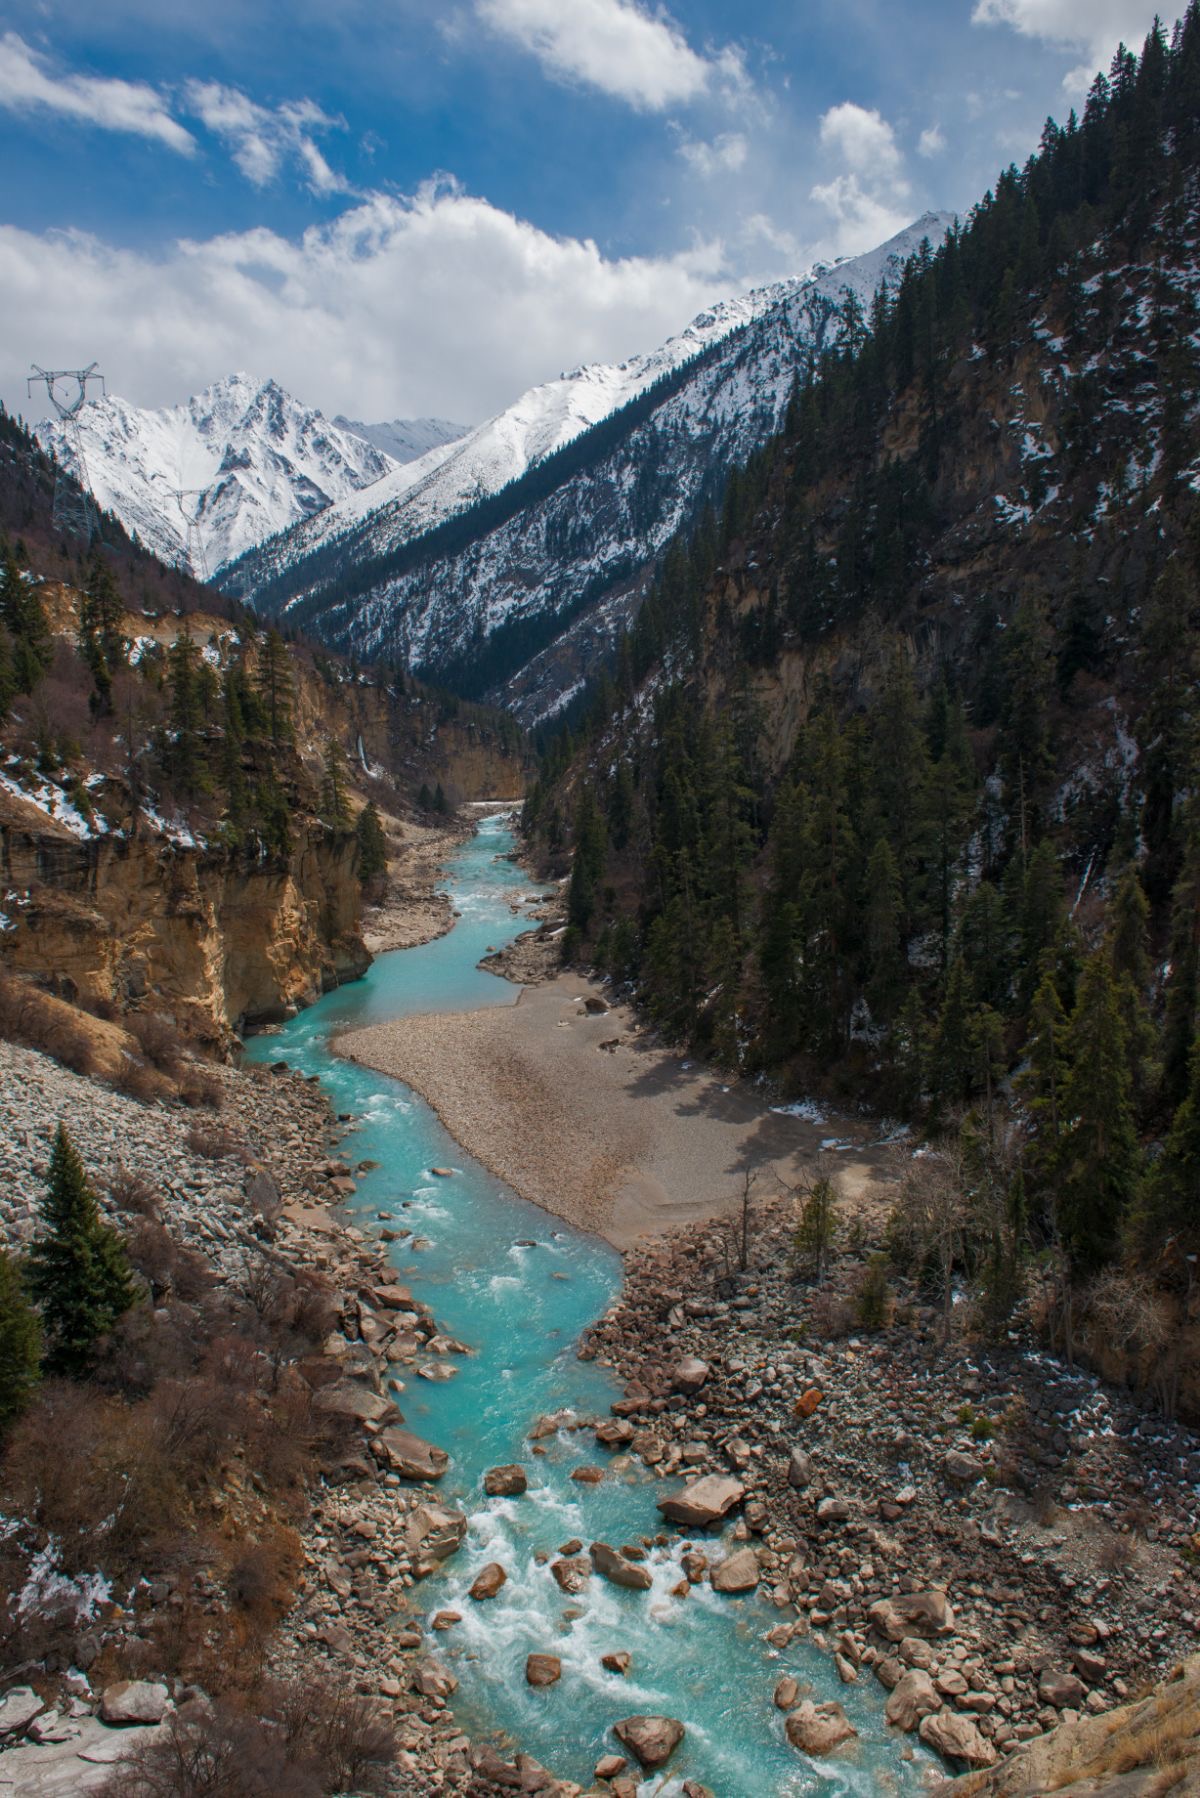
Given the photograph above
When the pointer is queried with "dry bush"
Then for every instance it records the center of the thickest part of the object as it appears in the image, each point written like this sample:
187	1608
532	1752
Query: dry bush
201	1089
215	1143
261	1579
31	1017
309	1739
138	1081
133	1193
158	1038
164	1264
830	1317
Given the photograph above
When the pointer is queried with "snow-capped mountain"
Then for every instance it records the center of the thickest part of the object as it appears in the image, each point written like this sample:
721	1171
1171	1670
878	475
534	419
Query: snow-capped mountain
474	561
250	459
405	439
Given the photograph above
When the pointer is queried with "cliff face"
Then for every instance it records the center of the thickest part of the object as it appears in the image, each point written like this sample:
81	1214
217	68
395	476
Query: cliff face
222	939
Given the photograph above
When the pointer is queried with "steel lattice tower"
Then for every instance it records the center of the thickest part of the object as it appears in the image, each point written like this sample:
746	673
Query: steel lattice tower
75	511
197	560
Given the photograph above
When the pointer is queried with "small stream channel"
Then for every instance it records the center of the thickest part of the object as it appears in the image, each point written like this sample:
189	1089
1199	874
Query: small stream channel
521	1309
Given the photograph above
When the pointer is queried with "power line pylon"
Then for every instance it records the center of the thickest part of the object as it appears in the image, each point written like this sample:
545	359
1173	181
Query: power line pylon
190	513
74	508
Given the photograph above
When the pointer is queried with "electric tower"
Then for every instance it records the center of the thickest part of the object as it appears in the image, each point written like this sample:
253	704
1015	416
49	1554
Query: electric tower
74	508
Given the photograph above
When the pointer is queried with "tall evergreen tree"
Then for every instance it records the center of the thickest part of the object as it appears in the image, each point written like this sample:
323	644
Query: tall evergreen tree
335	803
274	685
1099	1150
24	617
20	1343
78	1273
372	844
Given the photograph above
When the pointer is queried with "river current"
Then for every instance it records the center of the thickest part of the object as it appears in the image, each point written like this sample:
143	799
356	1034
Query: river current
521	1310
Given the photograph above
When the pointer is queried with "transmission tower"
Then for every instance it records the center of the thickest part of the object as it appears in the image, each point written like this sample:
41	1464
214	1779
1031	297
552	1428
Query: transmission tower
74	508
190	513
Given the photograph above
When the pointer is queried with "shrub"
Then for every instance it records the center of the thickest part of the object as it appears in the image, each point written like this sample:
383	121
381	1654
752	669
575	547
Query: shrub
138	1081
874	1301
157	1036
201	1089
35	1019
215	1143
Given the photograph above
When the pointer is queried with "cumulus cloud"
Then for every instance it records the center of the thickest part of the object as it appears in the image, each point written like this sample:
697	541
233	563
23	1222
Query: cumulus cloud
262	139
614	45
29	83
724	156
867	200
1094	27
437	304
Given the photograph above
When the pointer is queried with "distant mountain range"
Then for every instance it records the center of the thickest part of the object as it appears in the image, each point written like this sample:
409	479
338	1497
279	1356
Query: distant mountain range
504	562
250	460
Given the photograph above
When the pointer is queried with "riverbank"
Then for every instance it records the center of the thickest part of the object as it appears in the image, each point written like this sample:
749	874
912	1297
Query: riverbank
415	908
574	1105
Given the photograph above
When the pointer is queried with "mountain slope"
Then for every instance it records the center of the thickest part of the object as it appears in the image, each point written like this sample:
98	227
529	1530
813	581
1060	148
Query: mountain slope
576	488
404	439
260	460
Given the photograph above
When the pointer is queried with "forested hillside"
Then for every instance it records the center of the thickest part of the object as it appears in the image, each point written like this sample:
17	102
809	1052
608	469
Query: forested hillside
892	791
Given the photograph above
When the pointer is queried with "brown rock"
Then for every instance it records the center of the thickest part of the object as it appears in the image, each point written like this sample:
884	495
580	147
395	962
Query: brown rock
819	1728
617	1570
543	1670
957	1738
651	1740
912	1698
487	1581
432	1679
1062	1690
505	1482
689	1374
572	1573
609	1765
618	1662
925	1614
409	1456
787	1690
703	1502
808	1402
738	1572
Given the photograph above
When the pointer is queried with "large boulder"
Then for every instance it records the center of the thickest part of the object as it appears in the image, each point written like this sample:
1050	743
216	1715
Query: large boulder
542	1670
738	1572
408	1455
134	1701
617	1570
487	1581
572	1573
689	1374
434	1533
505	1482
819	1728
960	1468
433	1679
703	1502
800	1471
18	1708
912	1698
356	1400
1062	1690
956	1737
651	1740
924	1614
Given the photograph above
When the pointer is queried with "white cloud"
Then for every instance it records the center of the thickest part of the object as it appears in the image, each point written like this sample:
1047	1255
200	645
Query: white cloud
1094	27
613	45
262	140
29	83
862	138
932	141
438	304
867	199
725	155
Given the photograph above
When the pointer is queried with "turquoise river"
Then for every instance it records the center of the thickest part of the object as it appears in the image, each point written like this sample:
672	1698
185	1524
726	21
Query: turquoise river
521	1309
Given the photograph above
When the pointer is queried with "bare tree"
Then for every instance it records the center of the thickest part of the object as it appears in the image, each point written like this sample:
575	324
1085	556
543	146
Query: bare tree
934	1210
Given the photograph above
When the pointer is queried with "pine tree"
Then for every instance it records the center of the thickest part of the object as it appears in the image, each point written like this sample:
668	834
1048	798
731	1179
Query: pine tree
881	916
372	844
335	805
1099	1150
1170	1199
78	1272
1040	1084
274	684
24	617
101	614
185	752
20	1343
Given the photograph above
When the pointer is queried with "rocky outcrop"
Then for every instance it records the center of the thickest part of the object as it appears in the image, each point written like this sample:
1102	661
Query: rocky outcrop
652	1740
220	939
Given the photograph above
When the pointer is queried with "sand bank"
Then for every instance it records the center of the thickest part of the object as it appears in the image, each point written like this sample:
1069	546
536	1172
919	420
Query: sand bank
582	1114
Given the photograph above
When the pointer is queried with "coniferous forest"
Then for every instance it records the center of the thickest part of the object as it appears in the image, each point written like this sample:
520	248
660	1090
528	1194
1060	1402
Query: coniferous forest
891	794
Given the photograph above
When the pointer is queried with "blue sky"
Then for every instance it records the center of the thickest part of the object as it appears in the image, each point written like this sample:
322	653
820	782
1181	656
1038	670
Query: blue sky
420	208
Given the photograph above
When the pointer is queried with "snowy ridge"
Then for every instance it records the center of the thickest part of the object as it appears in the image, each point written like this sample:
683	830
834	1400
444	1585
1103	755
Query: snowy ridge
260	460
565	556
404	439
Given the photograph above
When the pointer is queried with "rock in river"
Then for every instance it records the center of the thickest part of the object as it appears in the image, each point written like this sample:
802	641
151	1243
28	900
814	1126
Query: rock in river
619	1571
819	1728
738	1572
651	1740
409	1456
543	1670
912	1698
704	1501
957	1738
487	1581
434	1532
505	1482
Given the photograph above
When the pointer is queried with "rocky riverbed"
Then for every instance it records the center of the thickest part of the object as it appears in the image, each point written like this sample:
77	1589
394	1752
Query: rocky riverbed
1001	1541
